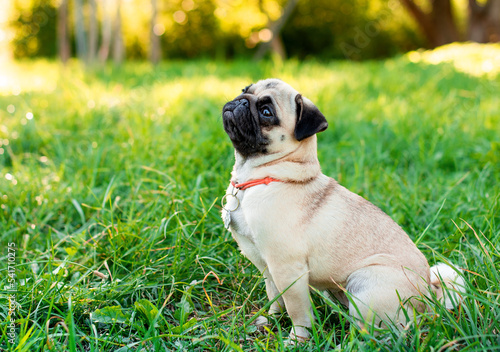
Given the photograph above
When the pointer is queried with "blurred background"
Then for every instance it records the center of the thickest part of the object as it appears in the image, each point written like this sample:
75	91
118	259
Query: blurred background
101	30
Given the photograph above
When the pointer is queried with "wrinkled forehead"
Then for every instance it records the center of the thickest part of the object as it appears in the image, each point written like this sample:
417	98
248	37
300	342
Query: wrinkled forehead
280	92
267	84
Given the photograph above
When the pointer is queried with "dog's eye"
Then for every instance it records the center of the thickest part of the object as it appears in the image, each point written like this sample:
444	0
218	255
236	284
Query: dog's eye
266	112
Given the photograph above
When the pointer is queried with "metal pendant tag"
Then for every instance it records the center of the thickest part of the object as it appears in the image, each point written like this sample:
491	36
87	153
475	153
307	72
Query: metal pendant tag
227	220
224	202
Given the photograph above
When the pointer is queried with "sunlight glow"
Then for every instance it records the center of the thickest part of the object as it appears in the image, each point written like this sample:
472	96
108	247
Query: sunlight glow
472	58
159	29
16	79
180	17
265	35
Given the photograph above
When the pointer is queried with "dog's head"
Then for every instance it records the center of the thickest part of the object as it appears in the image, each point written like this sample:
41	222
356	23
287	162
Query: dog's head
270	117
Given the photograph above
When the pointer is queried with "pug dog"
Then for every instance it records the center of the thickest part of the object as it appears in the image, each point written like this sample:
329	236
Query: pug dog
302	229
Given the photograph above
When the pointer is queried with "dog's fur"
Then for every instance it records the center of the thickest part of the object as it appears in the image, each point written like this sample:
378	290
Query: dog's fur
307	229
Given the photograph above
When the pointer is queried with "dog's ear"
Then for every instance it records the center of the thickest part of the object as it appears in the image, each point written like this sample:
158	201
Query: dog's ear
309	119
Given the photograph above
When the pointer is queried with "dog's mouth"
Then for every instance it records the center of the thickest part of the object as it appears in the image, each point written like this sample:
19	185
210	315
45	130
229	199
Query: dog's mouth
243	128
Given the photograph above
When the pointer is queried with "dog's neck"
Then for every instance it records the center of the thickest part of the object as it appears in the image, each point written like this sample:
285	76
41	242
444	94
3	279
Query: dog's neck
298	166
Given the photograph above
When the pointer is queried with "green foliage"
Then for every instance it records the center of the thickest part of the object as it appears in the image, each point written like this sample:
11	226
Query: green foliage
218	29
349	30
34	29
198	35
110	182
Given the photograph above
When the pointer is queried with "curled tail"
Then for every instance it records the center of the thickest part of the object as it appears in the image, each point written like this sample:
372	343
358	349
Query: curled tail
448	284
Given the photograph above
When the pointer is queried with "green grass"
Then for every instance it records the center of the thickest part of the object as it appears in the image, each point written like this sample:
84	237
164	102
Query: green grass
111	194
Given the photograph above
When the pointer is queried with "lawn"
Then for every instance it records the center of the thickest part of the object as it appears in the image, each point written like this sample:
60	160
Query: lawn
111	180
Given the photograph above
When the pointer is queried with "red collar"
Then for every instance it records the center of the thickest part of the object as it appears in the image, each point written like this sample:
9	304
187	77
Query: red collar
262	181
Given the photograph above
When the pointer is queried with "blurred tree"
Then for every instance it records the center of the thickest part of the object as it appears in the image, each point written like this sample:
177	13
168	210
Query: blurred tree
80	36
34	27
93	31
274	41
357	29
192	29
154	35
440	26
118	47
106	31
484	21
326	29
63	31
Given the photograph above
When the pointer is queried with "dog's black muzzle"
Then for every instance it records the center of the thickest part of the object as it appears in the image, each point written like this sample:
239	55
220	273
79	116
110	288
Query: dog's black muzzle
241	123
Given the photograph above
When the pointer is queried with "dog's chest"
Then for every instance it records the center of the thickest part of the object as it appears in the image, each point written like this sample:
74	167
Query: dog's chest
234	218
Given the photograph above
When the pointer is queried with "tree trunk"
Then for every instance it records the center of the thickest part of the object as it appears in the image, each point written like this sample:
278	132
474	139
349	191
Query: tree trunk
484	21
438	26
445	27
276	28
118	49
81	43
154	40
93	31
493	23
106	31
62	31
278	47
422	19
